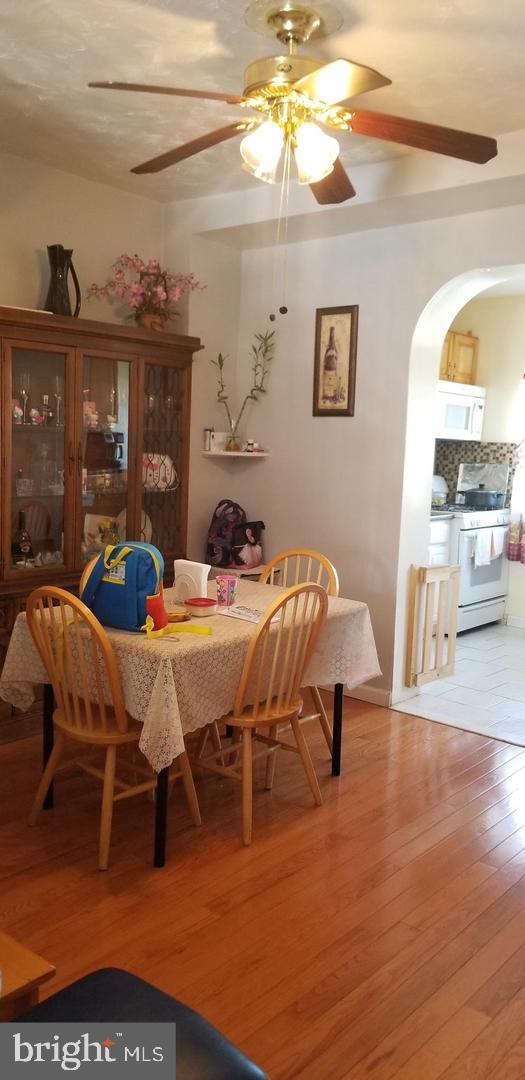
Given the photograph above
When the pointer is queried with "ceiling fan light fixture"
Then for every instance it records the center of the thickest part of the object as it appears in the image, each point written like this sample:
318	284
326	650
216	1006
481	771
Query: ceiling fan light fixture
261	151
314	152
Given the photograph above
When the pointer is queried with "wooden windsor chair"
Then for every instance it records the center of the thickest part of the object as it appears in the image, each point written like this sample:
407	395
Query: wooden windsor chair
269	694
81	666
290	568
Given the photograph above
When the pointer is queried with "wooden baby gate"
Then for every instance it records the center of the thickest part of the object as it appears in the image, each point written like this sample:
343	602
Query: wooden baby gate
432	623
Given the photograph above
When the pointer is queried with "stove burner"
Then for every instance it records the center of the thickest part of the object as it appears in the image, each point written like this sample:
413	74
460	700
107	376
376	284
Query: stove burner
466	508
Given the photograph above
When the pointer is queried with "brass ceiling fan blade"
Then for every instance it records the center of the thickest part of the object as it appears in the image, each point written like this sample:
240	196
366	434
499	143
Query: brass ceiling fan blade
203	142
146	88
441	140
339	80
335	188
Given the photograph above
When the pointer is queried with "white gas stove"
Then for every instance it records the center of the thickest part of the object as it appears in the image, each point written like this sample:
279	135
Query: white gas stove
478	545
478	541
478	519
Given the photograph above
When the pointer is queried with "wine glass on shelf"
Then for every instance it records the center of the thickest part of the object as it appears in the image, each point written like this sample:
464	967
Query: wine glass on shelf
25	382
58	395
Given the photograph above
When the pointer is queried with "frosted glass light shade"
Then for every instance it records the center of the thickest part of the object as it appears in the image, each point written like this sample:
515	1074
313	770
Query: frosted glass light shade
314	152
261	151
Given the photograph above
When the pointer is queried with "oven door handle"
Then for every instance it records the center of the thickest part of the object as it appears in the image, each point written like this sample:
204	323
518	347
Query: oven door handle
470	537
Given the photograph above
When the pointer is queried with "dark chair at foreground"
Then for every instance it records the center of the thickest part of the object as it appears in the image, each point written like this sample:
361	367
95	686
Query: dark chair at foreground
116	996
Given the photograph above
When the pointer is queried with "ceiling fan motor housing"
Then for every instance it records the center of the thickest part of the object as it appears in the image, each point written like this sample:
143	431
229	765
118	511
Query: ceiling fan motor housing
266	75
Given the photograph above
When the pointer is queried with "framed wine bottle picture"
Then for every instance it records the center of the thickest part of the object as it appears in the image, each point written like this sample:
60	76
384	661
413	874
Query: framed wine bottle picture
335	361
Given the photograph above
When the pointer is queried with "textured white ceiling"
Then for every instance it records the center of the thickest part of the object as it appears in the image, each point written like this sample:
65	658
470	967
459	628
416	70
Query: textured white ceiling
454	62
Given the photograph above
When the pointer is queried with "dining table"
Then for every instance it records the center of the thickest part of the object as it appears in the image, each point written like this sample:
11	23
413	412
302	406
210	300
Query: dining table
181	682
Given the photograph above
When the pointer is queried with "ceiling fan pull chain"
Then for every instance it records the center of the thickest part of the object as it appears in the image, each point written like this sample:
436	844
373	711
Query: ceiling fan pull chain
286	185
282	217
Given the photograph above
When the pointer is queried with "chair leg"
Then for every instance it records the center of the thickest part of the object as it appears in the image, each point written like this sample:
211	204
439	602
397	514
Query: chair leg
189	788
307	761
47	777
325	724
215	736
247	786
210	731
107	808
271	762
203	739
231	758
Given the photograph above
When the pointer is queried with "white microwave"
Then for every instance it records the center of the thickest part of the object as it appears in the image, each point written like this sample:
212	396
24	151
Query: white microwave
460	410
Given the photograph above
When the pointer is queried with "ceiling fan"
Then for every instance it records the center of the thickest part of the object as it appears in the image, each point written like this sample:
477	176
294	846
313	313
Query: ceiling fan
292	95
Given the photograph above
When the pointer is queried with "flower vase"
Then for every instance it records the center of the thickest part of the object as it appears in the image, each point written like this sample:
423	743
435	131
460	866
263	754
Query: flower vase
150	320
233	443
60	265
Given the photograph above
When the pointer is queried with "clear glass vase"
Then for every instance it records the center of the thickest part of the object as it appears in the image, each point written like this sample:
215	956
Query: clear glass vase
233	442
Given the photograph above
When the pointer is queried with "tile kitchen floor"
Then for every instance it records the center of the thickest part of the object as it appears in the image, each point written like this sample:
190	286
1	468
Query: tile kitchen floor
486	693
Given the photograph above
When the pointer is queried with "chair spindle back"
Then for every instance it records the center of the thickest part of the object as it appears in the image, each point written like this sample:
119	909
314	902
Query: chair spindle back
279	652
79	660
301	564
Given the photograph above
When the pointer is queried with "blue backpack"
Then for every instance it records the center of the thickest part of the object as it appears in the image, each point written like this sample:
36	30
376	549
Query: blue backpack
120	583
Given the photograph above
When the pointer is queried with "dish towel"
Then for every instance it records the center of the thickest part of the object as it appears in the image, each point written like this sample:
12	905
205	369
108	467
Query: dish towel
499	537
483	547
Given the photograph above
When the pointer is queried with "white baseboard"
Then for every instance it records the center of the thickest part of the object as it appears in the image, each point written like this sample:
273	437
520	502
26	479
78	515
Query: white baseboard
373	694
516	620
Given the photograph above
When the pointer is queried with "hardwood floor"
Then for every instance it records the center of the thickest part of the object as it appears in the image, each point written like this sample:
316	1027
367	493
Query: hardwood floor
380	935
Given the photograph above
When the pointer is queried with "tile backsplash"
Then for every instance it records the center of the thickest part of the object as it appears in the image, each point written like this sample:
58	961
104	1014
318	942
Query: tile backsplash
450	453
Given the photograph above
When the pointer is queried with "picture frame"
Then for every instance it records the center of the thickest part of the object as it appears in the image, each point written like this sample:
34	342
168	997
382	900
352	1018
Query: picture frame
335	361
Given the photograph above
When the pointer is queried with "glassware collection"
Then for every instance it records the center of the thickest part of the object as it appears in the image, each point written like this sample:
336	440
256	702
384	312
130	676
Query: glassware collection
38	406
41	414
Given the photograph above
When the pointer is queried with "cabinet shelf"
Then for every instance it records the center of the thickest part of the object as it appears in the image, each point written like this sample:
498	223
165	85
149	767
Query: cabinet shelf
247	454
44	429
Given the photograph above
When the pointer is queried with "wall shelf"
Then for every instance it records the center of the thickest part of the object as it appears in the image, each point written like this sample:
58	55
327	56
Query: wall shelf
236	453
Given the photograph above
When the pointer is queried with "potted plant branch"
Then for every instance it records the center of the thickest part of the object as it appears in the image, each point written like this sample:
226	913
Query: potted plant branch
148	290
261	356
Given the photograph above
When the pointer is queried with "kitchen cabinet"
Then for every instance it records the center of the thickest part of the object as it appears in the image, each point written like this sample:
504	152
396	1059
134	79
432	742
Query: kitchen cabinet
459	357
94	446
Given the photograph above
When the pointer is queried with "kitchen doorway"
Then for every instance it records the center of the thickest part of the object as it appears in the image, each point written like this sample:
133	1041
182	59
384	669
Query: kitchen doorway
494	654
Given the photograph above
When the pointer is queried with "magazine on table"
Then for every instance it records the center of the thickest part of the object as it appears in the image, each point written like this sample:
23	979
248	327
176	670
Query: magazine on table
241	611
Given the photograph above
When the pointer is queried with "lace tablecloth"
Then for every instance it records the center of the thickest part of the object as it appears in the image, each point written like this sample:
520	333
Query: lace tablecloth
179	683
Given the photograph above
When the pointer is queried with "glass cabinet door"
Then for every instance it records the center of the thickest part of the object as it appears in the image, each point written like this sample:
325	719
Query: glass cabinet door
162	454
38	456
103	453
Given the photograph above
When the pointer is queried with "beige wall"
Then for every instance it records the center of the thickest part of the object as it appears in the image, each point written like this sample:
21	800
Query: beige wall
41	206
499	322
214	317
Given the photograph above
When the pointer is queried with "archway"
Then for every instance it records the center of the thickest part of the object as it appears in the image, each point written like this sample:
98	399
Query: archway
427	342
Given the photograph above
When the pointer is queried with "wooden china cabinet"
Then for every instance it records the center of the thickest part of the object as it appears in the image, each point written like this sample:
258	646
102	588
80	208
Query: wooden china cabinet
94	446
